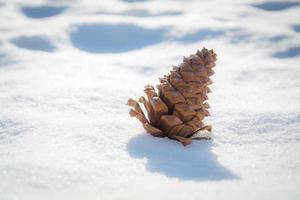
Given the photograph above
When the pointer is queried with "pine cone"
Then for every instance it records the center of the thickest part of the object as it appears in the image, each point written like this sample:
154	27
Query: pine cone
177	111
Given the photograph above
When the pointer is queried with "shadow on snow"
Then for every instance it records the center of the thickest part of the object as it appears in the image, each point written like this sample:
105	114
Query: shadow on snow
194	162
201	34
114	38
296	28
35	43
288	53
276	6
42	11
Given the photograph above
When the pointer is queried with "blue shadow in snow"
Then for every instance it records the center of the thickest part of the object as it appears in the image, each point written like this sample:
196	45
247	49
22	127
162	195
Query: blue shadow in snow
278	38
296	28
276	6
114	38
42	11
288	53
202	34
195	162
35	43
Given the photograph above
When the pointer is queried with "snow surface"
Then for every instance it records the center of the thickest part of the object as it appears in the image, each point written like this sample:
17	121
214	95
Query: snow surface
68	67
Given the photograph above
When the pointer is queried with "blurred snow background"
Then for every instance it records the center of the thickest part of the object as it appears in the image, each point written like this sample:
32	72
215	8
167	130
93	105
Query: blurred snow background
68	67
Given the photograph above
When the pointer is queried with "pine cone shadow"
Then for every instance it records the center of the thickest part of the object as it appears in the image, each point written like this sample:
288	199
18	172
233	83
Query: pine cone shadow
194	162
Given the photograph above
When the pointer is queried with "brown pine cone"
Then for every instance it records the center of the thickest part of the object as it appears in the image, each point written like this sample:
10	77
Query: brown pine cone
177	111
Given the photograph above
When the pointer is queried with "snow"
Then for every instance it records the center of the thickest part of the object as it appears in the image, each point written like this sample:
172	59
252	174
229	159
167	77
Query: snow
68	67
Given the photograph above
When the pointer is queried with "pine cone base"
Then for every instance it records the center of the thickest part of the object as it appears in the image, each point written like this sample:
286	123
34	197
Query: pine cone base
178	108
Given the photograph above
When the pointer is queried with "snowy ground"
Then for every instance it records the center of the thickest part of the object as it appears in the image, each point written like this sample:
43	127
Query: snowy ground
67	69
